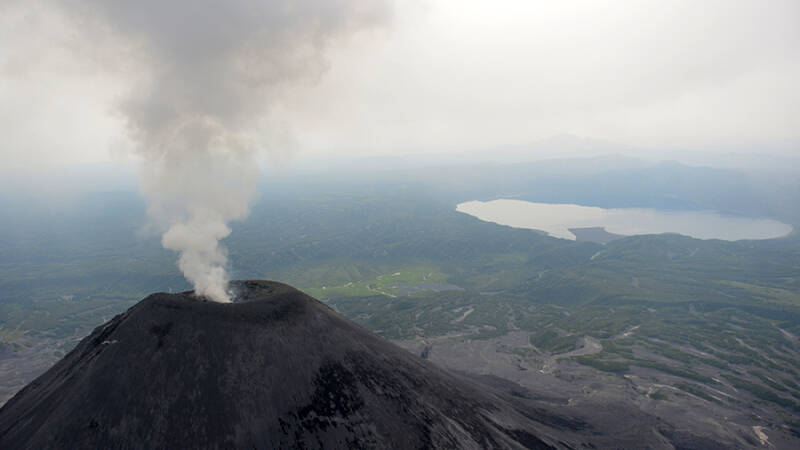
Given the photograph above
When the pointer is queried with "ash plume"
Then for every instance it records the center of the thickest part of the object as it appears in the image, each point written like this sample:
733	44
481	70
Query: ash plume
204	73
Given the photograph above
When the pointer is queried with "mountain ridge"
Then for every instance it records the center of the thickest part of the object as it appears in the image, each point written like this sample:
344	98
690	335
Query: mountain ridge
276	368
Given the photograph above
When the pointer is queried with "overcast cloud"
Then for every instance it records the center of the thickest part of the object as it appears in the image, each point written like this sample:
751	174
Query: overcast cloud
446	77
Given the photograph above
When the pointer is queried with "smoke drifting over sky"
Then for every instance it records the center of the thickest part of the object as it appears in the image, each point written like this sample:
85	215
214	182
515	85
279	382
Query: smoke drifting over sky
204	73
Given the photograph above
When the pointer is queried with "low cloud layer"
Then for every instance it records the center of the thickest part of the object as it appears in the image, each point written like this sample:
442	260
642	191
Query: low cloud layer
715	75
446	77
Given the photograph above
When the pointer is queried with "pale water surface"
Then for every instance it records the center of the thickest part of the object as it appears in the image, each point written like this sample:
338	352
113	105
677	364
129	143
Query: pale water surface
557	219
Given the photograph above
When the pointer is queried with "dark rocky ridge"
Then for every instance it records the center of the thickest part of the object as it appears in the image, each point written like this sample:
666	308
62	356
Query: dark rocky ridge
276	369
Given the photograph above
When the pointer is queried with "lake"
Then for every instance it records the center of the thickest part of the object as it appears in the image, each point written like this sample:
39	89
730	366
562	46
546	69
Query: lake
558	219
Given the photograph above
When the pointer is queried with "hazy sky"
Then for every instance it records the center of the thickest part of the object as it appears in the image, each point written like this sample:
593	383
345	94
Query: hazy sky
447	77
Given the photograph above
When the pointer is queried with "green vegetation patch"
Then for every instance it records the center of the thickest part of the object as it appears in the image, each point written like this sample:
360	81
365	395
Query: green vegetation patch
551	341
659	394
672	370
396	282
761	392
611	366
695	390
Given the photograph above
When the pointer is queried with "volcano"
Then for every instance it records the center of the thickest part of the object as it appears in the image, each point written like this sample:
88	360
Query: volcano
274	369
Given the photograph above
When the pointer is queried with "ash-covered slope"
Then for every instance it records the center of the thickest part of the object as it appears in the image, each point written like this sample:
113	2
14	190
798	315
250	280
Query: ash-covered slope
278	369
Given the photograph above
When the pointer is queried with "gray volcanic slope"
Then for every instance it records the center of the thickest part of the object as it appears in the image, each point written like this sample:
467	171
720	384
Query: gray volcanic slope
277	369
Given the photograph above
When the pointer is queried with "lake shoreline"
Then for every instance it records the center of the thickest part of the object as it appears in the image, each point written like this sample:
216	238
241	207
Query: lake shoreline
595	224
